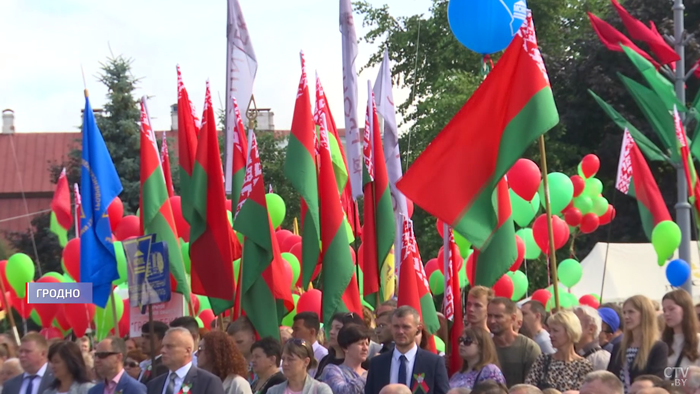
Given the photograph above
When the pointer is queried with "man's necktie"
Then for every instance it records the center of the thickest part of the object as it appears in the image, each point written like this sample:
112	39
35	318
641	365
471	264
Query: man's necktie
30	384
402	370
171	383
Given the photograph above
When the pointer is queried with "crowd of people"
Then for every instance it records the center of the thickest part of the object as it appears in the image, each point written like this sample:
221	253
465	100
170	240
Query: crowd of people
639	347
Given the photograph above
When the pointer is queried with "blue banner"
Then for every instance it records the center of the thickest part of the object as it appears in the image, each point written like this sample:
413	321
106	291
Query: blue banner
148	268
59	293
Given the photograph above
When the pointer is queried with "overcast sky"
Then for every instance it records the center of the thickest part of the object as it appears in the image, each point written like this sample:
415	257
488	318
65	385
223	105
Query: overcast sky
44	43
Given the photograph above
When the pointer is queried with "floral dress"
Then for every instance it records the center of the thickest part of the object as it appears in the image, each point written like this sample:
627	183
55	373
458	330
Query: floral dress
343	380
469	379
547	372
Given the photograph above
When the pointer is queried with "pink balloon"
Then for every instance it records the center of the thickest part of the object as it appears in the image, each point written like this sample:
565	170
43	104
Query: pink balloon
310	302
524	178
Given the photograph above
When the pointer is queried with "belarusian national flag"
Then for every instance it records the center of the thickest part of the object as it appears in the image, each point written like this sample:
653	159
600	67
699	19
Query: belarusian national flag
452	302
61	218
454	178
613	39
261	283
187	131
165	163
414	289
635	179
639	31
240	155
658	83
379	226
685	153
300	169
340	290
155	210
213	246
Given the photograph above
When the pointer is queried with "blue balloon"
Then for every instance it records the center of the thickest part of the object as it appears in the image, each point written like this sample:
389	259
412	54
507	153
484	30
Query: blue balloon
677	272
486	26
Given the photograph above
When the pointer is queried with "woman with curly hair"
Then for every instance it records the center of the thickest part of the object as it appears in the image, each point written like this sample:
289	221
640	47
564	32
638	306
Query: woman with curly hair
218	354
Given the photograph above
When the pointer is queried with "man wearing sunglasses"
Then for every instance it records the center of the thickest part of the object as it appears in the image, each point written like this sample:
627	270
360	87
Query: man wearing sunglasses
109	363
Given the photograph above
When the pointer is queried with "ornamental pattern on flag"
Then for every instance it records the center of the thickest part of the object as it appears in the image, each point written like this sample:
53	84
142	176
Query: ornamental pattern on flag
253	173
624	168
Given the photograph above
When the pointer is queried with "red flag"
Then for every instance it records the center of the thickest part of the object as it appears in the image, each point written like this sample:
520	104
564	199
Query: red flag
187	130
612	38
453	304
685	153
639	31
78	203
60	205
165	163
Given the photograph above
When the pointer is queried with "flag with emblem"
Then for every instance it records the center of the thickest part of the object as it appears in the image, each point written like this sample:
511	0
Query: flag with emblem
685	152
165	164
187	130
240	155
452	301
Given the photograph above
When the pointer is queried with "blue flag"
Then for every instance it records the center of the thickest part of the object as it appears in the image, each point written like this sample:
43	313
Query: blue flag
99	185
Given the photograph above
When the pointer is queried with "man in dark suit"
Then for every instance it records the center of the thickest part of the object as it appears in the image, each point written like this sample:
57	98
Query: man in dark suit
151	369
423	372
109	363
37	376
183	377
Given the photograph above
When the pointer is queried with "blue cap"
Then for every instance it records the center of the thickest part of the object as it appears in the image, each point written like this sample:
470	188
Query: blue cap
610	318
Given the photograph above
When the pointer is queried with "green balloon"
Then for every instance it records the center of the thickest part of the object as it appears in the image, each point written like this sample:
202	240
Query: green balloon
185	250
567	300
462	243
276	209
600	205
121	264
296	267
569	272
18	271
596	296
439	344
204	303
437	282
288	319
236	269
666	238
584	204
524	211
561	191
593	187
67	279
200	323
532	251
55	275
104	320
579	170
520	284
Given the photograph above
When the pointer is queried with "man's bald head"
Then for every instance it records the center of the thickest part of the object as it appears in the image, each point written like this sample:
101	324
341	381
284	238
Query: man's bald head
524	389
395	389
459	390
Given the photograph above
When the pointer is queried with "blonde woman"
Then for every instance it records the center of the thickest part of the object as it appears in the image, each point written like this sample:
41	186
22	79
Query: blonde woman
640	352
565	369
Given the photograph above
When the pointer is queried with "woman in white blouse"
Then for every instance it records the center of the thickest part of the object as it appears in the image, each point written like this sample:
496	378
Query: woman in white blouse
681	332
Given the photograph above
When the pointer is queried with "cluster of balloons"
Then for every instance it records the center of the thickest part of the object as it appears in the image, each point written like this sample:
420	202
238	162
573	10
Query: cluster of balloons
589	209
566	299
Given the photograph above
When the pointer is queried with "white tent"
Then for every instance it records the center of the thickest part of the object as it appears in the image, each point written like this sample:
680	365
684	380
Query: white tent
631	269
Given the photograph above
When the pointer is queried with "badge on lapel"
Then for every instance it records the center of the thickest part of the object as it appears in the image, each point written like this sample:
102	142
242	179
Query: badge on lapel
185	388
419	383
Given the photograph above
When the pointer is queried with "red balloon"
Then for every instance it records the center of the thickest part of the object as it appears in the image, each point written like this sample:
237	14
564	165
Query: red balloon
129	226
194	300
542	296
566	209
287	275
521	254
440	225
606	218
524	178
71	258
589	300
61	320
590	165
183	228
3	264
46	312
579	184
573	217
431	266
281	235
541	233
409	208
207	316
79	316
20	305
441	260
589	223
296	251
503	287
124	321
115	211
51	333
289	242
310	302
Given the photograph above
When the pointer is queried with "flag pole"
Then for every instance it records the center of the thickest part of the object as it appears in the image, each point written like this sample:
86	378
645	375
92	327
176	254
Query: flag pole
552	250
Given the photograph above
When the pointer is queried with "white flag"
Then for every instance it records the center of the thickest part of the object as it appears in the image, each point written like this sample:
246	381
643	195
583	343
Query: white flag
624	166
241	67
353	140
386	110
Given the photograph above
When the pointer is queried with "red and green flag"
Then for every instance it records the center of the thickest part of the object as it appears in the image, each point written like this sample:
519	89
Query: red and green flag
379	226
635	179
452	302
155	209
61	216
300	169
240	155
261	282
613	39
639	31
340	290
508	112
685	152
414	289
213	245
187	131
165	164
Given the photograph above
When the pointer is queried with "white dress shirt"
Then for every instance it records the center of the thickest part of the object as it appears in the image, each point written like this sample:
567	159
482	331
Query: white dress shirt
35	383
410	360
319	353
143	365
180	377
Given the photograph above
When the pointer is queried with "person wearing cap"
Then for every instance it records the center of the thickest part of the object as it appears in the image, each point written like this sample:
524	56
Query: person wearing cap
610	332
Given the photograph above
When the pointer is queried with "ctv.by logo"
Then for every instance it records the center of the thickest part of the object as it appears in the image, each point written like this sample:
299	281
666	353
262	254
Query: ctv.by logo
680	376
